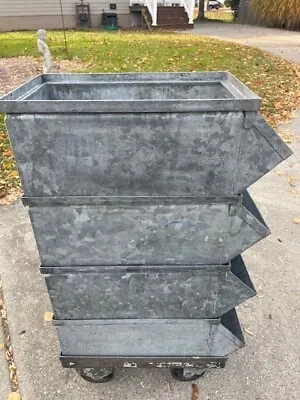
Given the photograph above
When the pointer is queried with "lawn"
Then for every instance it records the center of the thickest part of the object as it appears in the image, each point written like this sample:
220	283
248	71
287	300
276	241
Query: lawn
222	15
275	80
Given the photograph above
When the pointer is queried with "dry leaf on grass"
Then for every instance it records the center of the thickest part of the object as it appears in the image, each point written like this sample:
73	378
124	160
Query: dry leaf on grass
48	316
195	392
14	396
296	220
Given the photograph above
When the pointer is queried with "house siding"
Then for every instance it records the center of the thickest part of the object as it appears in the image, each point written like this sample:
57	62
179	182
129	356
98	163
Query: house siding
17	14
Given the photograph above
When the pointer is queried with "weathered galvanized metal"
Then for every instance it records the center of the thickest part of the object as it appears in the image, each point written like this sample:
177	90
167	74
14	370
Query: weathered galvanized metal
206	291
142	362
149	337
139	135
136	191
141	233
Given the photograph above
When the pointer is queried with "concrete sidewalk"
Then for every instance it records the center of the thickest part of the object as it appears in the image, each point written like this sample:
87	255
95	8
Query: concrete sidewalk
267	368
4	380
283	43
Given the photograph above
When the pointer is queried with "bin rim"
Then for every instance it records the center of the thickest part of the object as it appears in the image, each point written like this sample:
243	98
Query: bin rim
16	101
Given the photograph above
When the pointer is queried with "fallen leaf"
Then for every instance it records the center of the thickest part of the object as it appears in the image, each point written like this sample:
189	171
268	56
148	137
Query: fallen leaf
296	220
286	136
293	191
249	332
12	366
8	152
292	180
280	172
195	392
1	346
48	316
14	396
14	174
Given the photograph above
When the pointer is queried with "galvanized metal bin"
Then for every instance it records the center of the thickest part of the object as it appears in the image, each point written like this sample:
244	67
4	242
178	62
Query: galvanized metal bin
188	291
135	231
136	191
186	134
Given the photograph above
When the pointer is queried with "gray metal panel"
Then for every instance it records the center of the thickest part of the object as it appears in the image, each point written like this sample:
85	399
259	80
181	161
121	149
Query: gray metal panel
261	150
126	154
156	292
138	234
132	91
21	91
128	200
244	230
139	106
150	337
145	154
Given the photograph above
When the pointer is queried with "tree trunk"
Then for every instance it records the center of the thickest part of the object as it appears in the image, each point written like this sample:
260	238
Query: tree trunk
201	11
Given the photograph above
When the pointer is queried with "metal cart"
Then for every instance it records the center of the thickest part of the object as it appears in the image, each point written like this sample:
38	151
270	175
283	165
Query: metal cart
136	188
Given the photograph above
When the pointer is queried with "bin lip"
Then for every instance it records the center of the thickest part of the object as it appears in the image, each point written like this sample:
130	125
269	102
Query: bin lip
243	99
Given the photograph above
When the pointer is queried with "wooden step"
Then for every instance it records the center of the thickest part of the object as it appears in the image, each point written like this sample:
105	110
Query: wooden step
171	10
167	18
172	22
161	8
172	17
181	26
172	13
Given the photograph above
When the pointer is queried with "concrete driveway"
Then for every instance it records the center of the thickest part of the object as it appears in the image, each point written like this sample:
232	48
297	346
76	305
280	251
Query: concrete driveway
285	44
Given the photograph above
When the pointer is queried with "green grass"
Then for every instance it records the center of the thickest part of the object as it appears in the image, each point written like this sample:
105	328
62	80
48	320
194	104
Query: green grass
275	80
221	15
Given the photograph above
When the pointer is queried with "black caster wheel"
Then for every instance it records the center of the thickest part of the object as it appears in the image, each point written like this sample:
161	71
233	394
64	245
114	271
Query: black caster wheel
97	375
186	374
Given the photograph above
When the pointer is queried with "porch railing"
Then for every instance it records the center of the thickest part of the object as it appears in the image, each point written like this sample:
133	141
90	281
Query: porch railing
152	7
189	6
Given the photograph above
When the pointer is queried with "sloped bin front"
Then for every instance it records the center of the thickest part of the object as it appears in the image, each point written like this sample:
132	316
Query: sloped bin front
136	188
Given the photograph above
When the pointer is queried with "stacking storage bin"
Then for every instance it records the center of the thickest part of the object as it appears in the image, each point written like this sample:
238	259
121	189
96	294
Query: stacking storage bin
136	188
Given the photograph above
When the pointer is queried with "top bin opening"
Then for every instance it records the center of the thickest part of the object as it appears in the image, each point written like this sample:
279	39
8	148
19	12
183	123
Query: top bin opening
126	93
131	91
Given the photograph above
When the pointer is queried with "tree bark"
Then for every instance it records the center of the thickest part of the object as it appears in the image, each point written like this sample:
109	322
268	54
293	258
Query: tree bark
201	11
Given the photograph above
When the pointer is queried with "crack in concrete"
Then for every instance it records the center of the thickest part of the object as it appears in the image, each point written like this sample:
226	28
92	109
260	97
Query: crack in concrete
9	353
